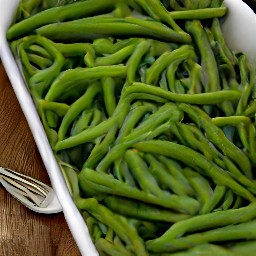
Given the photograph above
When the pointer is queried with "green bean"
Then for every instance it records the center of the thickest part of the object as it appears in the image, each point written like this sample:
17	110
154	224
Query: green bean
164	60
38	50
163	81
192	141
98	116
216	3
101	148
219	37
108	86
89	58
139	210
240	122
93	228
167	112
73	49
59	108
177	135
247	81
70	174
227	233
208	60
189	5
147	128
116	58
201	250
135	59
201	222
238	175
77	107
217	195
217	136
164	178
200	98
57	14
122	168
172	69
200	184
87	135
87	28
243	134
26	9
40	80
70	78
118	117
111	249
82	122
135	115
115	222
139	170
243	248
107	45
158	47
159	9
175	169
38	61
199	14
104	183
252	144
196	74
147	9
118	150
194	159
230	120
250	109
238	203
228	200
51	119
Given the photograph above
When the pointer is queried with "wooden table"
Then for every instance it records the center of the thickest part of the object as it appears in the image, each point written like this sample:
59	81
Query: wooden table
23	232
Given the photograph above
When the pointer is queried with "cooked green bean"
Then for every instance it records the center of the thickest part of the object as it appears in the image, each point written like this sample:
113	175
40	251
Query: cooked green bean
162	175
57	14
89	179
194	159
212	82
77	107
201	222
217	136
115	222
232	232
140	210
200	98
111	249
73	77
200	184
217	195
135	59
108	87
199	14
88	28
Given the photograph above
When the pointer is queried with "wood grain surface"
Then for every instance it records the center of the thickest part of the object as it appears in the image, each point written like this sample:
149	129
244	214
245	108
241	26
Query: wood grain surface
22	231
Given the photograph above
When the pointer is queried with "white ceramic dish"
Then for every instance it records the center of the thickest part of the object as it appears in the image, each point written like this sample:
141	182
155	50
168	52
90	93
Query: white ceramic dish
240	33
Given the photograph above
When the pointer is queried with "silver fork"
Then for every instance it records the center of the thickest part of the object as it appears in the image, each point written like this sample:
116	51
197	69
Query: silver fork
32	193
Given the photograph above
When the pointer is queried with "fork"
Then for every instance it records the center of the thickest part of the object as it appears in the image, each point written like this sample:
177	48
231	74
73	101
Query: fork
32	193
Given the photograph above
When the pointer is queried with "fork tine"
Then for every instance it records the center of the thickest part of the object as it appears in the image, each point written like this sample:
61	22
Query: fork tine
27	190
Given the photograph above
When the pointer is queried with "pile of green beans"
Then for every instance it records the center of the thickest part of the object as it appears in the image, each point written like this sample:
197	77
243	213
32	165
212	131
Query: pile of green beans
151	117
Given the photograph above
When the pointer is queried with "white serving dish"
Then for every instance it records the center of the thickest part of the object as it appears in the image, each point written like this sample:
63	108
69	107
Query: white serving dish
240	32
